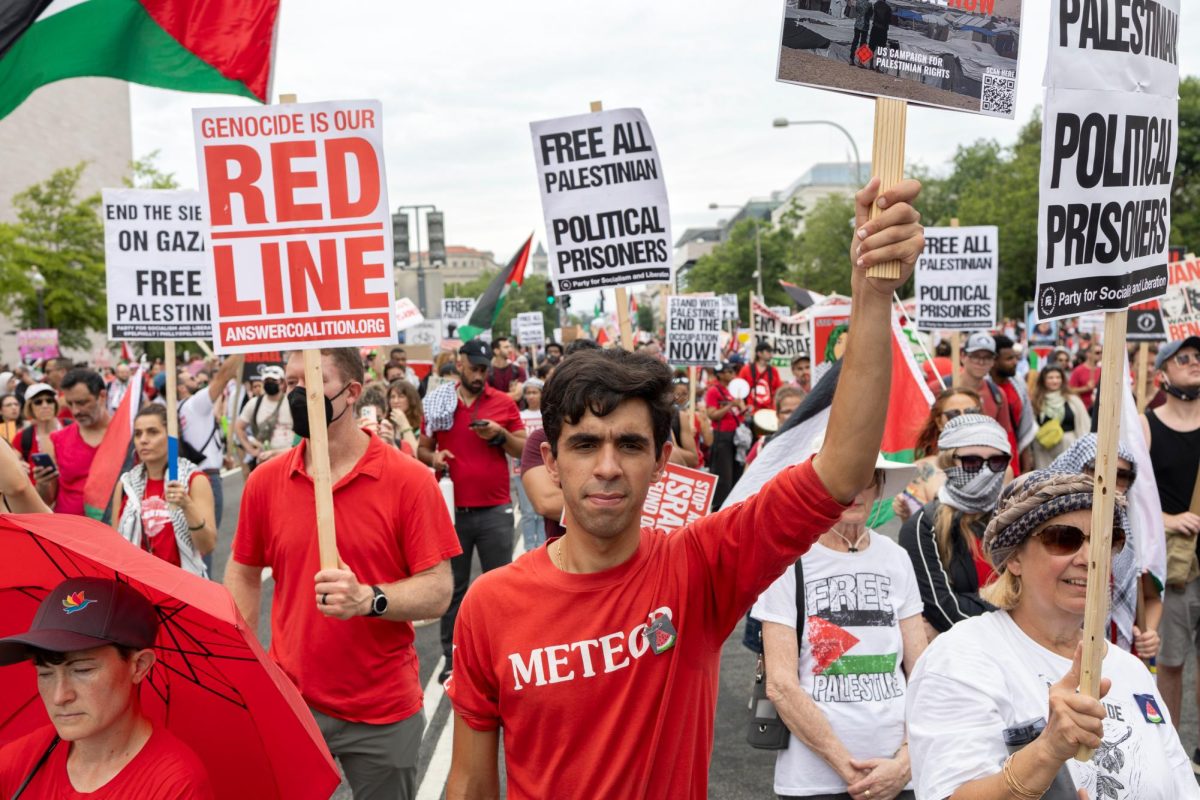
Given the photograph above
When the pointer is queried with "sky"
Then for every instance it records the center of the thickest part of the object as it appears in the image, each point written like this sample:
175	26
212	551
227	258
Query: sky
460	83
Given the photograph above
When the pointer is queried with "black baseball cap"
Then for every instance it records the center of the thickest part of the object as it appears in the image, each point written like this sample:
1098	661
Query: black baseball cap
477	351
82	613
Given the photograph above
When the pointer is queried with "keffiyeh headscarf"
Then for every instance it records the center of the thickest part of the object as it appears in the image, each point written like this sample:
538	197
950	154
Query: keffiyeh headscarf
972	492
1081	456
439	407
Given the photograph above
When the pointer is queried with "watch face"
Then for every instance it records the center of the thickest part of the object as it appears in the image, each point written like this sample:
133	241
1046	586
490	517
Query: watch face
379	604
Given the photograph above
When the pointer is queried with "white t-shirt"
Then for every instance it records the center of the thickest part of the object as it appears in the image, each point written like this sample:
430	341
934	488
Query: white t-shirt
533	422
854	603
196	420
281	436
985	674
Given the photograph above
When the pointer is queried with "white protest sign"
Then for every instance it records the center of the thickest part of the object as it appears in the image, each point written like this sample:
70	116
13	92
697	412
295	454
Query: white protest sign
729	307
158	282
428	332
531	328
693	331
455	311
955	279
789	336
604	200
299	227
407	314
1109	142
1181	304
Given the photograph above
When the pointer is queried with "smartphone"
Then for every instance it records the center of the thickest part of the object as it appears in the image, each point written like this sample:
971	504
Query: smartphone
369	414
43	460
479	423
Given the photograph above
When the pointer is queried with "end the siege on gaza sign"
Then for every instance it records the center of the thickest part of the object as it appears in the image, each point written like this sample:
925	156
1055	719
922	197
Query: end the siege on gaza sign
299	228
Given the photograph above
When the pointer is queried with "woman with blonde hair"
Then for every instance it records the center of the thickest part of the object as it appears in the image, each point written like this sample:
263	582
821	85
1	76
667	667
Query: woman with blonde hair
952	402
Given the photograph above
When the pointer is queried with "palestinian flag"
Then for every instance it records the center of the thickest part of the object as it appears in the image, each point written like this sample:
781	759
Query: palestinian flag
114	456
217	46
487	308
909	400
803	298
831	644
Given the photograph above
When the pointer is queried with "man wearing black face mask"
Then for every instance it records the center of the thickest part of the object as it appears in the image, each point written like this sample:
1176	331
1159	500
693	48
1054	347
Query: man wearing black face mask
344	636
264	428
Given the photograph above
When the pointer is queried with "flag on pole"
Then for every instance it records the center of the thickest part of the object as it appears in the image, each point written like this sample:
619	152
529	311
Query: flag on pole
217	46
803	298
487	308
114	456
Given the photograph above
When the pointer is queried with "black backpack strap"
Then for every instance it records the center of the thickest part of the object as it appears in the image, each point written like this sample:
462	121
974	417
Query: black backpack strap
41	762
27	441
801	599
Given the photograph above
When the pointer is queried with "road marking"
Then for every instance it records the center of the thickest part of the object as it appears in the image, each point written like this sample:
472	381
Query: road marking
225	473
434	782
434	691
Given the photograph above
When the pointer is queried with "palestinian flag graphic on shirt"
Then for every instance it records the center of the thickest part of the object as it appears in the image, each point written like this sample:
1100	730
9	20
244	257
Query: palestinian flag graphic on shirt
845	667
217	46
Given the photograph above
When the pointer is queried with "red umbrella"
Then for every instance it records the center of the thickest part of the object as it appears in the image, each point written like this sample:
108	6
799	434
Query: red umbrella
212	685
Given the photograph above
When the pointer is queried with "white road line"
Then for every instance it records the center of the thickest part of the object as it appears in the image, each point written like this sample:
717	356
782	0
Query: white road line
434	691
434	782
225	473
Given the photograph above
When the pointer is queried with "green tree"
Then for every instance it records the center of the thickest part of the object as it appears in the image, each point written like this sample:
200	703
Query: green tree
645	318
730	267
145	174
822	260
1185	193
529	296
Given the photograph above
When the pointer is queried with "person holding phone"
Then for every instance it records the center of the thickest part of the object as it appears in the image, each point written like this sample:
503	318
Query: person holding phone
41	411
404	410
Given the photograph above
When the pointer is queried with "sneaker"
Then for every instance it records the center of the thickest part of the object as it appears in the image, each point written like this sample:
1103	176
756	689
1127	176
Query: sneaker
444	675
1196	761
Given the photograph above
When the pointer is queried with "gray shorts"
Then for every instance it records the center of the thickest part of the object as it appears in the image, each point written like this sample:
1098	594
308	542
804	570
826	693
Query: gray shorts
1180	629
379	761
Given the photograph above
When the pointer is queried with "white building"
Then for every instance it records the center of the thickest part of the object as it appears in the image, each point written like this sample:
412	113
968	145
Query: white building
426	286
818	182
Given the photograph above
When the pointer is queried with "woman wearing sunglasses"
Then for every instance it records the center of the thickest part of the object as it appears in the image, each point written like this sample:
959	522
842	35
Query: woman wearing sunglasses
990	674
41	410
944	538
1061	416
951	403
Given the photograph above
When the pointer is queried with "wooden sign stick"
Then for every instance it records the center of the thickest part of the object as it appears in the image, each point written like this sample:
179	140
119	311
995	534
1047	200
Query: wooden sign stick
955	346
1143	366
622	295
172	403
1103	500
318	446
887	163
693	376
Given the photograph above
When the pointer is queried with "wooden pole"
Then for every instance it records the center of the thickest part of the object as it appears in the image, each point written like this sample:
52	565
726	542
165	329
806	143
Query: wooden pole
622	295
887	163
955	349
1100	547
318	446
172	403
1143	367
693	376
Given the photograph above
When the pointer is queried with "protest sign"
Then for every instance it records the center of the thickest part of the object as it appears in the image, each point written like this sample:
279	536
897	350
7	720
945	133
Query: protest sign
1105	199
604	200
407	314
455	311
37	344
789	336
693	331
1181	304
682	496
531	328
729	307
255	363
782	311
428	332
157	278
955	279
1146	323
960	55
829	326
299	226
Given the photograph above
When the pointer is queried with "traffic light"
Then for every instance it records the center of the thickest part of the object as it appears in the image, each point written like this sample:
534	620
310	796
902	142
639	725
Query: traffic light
400	253
437	237
550	293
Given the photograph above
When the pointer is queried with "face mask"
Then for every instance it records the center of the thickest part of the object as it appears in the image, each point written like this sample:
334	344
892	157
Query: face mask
271	388
972	492
298	405
1186	395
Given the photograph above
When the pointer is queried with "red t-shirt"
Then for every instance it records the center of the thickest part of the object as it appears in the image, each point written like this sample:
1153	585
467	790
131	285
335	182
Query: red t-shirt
763	383
503	378
392	523
936	369
479	470
156	519
718	393
74	458
164	769
531	457
1081	376
559	660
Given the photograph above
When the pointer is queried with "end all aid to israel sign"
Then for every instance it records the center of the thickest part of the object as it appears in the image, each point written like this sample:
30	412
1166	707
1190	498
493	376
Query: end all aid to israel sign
299	229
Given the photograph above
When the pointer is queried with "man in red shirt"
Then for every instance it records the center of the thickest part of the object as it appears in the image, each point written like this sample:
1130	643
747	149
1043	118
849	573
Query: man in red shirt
976	362
1086	377
599	654
75	445
726	412
504	374
1020	412
344	636
763	378
487	426
90	664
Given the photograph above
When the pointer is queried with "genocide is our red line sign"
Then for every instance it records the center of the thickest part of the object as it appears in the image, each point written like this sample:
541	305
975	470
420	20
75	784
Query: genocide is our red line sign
298	213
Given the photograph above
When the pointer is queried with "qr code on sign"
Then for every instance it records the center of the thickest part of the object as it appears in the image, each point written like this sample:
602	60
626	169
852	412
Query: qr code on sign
999	93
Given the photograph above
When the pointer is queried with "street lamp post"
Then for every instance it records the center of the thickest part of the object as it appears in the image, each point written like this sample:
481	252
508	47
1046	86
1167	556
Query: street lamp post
39	286
757	247
780	122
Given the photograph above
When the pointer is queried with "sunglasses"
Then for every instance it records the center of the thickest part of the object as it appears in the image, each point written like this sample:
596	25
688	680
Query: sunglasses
975	463
1183	359
952	413
1064	540
43	401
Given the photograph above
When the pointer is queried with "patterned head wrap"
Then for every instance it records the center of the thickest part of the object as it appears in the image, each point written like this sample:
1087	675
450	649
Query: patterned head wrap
1081	456
974	430
1033	499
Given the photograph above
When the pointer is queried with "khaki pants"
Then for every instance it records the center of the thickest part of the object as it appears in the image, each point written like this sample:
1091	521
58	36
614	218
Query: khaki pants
380	761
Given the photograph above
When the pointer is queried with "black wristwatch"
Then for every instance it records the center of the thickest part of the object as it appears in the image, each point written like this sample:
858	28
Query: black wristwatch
378	603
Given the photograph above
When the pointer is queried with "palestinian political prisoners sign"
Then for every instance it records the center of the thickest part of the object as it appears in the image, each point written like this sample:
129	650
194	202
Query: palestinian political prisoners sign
1108	155
693	331
789	337
604	200
299	230
956	54
679	498
531	328
455	311
157	277
955	279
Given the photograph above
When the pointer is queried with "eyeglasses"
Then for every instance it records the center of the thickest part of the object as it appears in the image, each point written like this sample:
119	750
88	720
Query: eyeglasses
1063	540
1183	359
982	356
43	401
997	463
953	413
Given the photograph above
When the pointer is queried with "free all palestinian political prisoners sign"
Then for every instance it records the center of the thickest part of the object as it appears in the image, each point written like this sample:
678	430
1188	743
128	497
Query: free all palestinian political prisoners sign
1109	140
157	276
680	497
604	199
531	328
299	229
955	279
956	54
693	331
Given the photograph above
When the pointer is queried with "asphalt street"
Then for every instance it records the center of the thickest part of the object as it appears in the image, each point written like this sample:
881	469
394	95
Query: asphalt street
737	772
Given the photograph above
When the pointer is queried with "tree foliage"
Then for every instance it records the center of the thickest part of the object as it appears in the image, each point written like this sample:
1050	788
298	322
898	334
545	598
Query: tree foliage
730	267
1185	194
529	296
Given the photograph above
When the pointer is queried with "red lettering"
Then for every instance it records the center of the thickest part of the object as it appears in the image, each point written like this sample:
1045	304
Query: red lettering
272	274
222	186
336	152
228	303
303	272
358	272
288	180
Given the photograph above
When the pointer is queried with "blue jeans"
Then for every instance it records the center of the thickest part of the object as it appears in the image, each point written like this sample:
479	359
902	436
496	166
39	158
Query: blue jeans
533	527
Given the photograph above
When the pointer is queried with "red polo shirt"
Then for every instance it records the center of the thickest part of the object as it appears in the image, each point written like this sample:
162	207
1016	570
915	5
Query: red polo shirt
478	469
391	524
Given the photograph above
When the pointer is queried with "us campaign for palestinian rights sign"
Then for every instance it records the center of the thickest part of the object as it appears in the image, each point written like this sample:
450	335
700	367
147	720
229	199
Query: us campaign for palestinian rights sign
156	269
605	201
680	497
1109	140
299	230
693	331
956	54
789	337
531	328
955	279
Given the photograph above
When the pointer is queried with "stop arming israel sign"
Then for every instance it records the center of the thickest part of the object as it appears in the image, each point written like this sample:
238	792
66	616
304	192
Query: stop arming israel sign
956	279
1108	155
299	229
789	337
693	331
680	497
604	199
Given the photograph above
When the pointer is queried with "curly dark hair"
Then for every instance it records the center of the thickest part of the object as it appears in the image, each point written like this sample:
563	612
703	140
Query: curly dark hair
599	381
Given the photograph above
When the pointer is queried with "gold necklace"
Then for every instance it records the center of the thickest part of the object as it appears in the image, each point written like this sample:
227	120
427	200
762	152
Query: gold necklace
558	555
